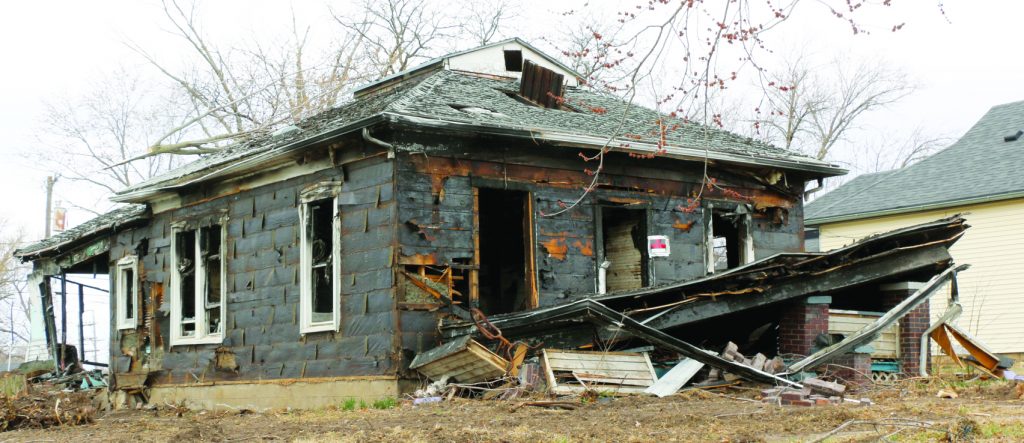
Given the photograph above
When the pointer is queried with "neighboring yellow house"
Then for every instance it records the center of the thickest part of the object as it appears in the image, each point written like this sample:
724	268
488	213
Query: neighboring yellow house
981	176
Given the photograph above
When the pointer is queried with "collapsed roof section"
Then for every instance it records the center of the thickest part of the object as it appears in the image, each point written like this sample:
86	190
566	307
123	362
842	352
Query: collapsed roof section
99	227
447	98
915	253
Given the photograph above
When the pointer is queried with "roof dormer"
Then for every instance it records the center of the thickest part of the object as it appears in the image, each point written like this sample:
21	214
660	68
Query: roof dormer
500	59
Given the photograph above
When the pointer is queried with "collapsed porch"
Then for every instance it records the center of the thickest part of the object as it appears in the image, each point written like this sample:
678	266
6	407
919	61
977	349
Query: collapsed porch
671	317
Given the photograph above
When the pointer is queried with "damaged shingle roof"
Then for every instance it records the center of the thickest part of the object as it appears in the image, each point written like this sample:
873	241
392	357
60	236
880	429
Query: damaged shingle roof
983	165
456	98
96	226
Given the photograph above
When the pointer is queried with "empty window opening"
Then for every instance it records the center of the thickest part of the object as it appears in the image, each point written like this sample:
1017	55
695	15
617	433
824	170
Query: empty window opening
725	243
198	286
624	235
127	293
504	285
514	60
435	284
729	243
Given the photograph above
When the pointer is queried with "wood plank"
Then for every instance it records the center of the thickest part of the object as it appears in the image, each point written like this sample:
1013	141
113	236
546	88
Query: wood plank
676	378
569	365
628	369
617	390
614	378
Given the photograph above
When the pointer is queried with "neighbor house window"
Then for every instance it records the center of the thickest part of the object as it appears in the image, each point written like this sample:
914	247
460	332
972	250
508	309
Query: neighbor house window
127	292
320	302
198	289
729	243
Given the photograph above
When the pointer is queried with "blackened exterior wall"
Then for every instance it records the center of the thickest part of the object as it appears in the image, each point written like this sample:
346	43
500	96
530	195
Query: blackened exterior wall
262	339
435	185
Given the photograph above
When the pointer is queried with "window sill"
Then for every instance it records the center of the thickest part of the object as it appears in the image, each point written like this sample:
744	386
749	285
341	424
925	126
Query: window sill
208	340
319	327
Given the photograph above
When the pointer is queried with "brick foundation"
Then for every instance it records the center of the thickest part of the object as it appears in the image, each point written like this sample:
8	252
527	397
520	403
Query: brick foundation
912	325
851	369
801	323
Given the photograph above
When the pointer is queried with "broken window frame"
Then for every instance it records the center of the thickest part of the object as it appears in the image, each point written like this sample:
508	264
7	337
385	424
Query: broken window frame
314	195
127	319
201	333
744	229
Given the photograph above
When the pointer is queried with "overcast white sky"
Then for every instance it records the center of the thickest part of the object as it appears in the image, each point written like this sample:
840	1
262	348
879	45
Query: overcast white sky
54	49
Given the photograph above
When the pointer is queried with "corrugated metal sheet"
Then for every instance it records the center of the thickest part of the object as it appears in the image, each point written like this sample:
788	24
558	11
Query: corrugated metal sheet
626	271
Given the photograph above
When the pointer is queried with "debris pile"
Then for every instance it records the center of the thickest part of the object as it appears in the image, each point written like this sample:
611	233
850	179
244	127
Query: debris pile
43	406
33	397
816	392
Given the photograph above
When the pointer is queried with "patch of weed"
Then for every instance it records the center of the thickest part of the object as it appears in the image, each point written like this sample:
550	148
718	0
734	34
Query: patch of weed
385	403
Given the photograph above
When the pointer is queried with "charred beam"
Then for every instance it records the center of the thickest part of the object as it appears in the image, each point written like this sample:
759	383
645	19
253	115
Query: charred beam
906	261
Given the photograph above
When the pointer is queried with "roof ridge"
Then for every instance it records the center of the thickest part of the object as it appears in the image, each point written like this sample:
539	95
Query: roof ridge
890	173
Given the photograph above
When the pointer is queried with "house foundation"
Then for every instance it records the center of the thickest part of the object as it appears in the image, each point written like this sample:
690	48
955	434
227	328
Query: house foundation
273	394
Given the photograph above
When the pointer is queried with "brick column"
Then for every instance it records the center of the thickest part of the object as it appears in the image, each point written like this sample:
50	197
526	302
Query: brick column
801	323
853	368
911	326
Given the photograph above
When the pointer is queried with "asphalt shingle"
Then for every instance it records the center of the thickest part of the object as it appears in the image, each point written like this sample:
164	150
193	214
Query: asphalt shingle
980	165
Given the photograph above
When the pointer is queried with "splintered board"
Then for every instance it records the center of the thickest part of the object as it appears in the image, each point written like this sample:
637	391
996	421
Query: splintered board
618	372
462	360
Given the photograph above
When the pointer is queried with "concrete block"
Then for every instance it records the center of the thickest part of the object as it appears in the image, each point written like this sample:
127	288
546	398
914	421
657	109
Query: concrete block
818	300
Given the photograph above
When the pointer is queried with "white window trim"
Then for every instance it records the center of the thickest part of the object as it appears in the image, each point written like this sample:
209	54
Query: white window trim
306	324
123	321
201	336
746	238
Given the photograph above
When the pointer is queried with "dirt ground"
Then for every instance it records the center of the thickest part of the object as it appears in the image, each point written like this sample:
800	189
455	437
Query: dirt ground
906	411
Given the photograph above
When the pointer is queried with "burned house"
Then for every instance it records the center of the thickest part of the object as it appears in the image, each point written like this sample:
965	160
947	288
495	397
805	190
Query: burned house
312	264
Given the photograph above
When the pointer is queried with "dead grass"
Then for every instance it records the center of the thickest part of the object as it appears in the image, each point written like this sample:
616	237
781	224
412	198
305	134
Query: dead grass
690	416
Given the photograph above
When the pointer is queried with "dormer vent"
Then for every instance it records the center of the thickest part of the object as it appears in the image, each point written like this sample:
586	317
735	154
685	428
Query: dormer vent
540	85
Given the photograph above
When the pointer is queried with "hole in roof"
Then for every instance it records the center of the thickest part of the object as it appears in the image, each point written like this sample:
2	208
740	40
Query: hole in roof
513	60
476	110
1013	137
515	96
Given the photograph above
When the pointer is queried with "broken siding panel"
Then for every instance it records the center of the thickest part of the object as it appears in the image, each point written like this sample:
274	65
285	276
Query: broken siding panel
686	236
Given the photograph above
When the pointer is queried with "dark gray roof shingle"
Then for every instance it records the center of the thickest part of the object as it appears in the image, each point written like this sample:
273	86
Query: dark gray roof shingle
95	226
979	166
440	96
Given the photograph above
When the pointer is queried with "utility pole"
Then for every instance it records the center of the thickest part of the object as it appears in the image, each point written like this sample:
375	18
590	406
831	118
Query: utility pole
49	203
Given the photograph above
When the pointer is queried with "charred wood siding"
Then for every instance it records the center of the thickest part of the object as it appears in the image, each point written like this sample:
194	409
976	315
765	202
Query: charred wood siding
435	213
262	330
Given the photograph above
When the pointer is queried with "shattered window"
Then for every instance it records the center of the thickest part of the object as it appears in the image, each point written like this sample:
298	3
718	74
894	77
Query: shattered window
319	266
211	257
198	286
721	250
187	276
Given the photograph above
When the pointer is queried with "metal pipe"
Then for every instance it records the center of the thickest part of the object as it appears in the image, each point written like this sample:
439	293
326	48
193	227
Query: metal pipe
379	142
602	277
81	327
63	316
821	184
951	314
